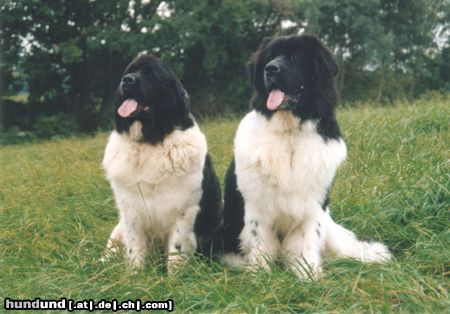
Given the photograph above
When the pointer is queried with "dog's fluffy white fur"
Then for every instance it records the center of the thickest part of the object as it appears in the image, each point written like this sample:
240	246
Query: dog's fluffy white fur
283	169
157	189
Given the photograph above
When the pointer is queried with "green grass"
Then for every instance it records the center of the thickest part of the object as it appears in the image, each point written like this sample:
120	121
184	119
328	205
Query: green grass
57	210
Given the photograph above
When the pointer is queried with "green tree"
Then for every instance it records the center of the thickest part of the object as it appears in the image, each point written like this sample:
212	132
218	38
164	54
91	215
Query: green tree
381	45
70	54
209	43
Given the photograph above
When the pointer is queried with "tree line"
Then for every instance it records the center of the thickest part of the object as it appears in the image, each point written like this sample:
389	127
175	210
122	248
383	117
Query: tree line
61	61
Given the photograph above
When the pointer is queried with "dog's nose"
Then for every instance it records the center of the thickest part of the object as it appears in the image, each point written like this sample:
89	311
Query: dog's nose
128	79
272	68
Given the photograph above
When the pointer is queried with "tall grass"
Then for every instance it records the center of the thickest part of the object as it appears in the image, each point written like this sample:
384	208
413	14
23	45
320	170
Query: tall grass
57	210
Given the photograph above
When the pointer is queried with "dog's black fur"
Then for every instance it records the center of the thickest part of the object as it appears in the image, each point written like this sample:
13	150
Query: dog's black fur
155	86
302	61
210	216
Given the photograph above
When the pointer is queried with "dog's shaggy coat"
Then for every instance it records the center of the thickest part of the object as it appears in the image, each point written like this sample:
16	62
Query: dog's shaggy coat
156	160
286	152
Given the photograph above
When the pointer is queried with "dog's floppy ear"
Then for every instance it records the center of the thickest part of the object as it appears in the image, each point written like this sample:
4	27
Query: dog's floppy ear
187	102
327	62
326	67
183	97
251	64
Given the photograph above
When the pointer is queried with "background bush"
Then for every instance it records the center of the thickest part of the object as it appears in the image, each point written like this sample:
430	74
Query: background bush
68	56
58	124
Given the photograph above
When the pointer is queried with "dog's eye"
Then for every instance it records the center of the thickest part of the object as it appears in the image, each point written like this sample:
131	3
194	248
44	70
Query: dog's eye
295	57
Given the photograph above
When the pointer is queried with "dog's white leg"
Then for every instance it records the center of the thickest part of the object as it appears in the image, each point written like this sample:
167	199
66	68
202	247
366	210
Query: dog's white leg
303	246
135	239
182	238
258	242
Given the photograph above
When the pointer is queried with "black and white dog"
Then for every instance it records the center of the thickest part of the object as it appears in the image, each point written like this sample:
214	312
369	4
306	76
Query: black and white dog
157	163
286	152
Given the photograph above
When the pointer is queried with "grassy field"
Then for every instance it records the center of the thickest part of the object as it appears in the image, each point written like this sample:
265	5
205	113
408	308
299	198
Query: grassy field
57	210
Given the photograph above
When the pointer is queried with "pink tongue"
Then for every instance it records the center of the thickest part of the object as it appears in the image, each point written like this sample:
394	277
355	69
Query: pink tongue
275	99
128	107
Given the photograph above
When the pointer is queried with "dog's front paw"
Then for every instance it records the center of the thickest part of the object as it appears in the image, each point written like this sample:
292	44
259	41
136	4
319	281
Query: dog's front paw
305	271
175	262
135	261
255	262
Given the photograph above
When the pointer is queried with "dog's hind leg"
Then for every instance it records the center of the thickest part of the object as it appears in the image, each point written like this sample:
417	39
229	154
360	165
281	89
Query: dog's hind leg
340	242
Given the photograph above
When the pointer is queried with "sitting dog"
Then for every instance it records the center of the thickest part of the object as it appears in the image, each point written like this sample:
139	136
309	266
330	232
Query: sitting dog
156	160
286	152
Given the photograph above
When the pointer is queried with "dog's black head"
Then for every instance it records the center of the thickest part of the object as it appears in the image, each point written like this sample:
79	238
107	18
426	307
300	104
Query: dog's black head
295	73
149	92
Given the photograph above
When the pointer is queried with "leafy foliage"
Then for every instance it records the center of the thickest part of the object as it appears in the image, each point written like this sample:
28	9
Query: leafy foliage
69	54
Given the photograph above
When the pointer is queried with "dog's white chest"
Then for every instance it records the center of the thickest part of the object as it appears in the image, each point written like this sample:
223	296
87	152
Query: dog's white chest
283	163
154	182
129	162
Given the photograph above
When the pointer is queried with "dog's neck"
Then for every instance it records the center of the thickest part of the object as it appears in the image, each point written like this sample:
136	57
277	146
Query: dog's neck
135	132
